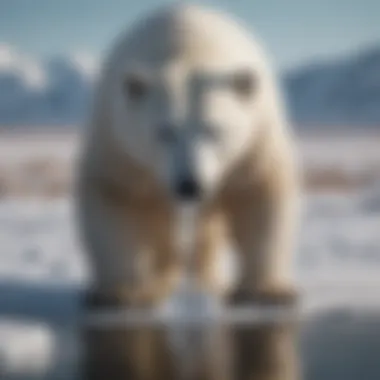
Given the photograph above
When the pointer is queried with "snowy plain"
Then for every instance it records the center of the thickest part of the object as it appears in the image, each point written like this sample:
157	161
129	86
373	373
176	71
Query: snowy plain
337	266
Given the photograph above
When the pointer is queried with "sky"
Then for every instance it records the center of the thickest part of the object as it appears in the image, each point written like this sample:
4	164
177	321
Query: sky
295	31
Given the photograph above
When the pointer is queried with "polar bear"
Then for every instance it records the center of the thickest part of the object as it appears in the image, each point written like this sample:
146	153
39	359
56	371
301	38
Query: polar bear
187	109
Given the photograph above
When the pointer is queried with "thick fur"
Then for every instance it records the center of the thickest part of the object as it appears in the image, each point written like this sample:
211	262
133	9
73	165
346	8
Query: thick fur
126	207
126	212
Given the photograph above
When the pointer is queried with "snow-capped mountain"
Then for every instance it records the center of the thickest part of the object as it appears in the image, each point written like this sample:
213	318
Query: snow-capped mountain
56	91
344	92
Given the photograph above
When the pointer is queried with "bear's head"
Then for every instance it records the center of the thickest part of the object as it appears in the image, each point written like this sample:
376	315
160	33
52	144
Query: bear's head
187	93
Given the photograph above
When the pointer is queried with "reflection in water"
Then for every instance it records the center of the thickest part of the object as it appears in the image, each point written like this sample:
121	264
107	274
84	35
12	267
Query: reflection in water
265	353
218	353
339	342
128	354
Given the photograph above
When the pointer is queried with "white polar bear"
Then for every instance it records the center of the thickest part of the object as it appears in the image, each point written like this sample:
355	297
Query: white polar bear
187	108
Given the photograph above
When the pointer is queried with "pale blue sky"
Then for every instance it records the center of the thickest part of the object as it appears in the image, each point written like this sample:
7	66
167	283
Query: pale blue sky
295	31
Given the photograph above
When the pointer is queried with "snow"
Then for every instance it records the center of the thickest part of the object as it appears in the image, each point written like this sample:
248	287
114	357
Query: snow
86	62
352	152
29	69
16	356
45	92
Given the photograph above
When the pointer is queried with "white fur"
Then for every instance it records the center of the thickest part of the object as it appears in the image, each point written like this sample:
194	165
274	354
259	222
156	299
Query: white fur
170	48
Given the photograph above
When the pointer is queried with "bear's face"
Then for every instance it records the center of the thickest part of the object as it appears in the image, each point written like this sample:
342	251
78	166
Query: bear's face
187	126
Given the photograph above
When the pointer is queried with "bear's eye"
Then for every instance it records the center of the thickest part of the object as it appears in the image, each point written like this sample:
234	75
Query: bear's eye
135	87
244	83
166	134
211	133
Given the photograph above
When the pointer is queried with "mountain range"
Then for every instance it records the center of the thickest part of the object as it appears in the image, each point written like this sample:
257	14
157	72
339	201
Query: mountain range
56	91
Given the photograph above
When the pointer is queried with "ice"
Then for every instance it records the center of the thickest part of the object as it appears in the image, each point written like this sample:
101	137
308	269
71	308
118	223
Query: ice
25	348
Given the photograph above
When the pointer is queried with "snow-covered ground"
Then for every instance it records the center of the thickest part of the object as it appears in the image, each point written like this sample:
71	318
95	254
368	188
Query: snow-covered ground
42	273
41	270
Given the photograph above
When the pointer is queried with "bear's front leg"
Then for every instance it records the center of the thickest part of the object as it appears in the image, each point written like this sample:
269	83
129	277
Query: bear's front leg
118	236
262	220
112	238
111	246
110	242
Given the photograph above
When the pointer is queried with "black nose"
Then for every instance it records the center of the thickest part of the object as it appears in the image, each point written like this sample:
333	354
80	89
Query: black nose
188	189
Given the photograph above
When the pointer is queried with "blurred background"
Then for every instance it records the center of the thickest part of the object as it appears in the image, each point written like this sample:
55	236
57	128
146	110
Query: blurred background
327	56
